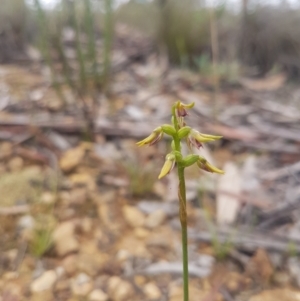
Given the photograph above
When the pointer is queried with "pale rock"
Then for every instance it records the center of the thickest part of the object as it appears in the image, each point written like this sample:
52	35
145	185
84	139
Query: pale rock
14	291
16	164
152	291
71	159
5	149
86	225
91	263
140	280
134	246
33	53
48	198
78	196
81	285
69	264
119	290
87	146
206	260
12	254
62	285
55	104
281	278
64	238
44	282
60	271
123	255
10	275
90	247
26	222
104	197
36	95
59	141
148	207
33	172
155	219
90	260
164	238
133	216
85	179
65	197
141	233
104	215
67	214
98	295
38	270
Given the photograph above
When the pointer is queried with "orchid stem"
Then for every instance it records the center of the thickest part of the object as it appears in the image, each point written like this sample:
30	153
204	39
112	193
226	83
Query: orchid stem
182	211
183	221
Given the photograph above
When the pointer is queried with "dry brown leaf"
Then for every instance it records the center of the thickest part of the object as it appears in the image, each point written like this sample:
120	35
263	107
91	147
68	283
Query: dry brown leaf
71	158
260	267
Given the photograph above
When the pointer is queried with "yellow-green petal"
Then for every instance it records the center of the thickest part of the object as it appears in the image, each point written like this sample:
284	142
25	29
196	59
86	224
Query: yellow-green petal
203	164
168	166
154	137
147	140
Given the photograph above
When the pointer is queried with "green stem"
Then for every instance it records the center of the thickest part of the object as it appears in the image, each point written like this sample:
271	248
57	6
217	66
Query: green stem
182	211
183	221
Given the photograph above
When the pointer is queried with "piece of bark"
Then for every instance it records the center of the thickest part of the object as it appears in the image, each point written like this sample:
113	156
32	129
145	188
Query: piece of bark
228	205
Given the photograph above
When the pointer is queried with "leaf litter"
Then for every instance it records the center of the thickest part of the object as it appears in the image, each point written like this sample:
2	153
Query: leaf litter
90	220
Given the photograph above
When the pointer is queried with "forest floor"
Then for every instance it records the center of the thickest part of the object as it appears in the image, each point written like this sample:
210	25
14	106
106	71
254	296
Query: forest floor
82	220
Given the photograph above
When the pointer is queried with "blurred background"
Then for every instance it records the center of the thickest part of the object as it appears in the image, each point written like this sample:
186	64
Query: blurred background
82	214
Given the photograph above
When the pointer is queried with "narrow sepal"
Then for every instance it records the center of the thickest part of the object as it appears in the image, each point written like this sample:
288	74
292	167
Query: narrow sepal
204	165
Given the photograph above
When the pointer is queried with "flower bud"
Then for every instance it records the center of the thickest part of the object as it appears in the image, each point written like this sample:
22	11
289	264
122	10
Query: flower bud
183	132
168	129
190	160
